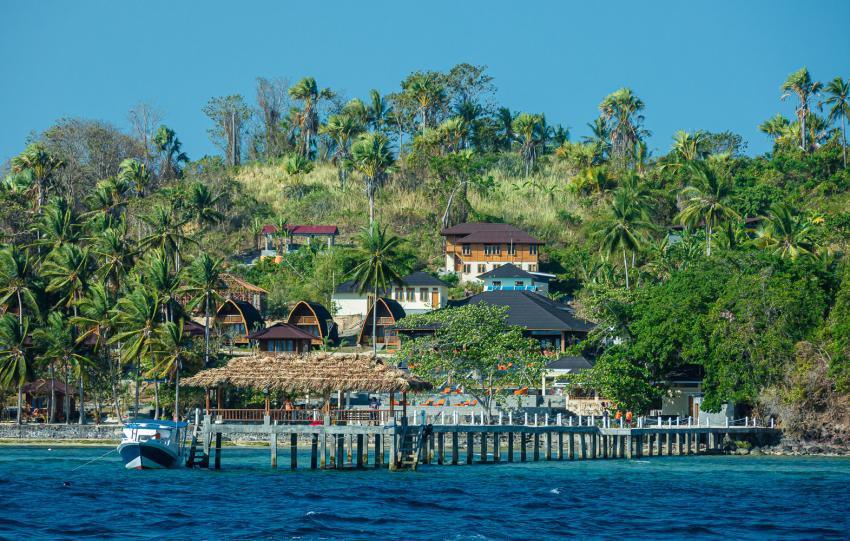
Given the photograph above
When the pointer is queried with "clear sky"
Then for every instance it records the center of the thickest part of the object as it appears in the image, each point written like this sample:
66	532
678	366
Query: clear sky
697	65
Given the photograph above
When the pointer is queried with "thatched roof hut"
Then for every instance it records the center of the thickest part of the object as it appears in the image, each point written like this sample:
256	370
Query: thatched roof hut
322	373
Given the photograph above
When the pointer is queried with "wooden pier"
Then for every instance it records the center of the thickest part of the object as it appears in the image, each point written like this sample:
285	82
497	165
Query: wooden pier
403	446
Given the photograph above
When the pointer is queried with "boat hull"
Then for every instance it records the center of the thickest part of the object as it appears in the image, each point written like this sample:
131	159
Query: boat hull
145	456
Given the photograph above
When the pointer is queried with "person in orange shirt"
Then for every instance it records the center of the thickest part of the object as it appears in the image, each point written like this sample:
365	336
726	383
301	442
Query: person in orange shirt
618	416
629	418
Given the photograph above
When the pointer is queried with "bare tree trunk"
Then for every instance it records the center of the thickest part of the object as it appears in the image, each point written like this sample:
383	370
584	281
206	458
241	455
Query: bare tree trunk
375	319
626	267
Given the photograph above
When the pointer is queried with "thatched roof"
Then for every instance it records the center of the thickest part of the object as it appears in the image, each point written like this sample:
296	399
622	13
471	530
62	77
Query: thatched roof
318	372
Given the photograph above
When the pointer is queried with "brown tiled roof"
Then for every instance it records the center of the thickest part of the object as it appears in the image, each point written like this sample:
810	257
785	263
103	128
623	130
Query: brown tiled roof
280	331
489	233
474	227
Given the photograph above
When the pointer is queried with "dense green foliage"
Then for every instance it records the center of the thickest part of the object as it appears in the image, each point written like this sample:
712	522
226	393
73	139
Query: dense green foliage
701	256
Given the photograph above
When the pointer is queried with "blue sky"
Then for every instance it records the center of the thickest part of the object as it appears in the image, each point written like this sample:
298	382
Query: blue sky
697	65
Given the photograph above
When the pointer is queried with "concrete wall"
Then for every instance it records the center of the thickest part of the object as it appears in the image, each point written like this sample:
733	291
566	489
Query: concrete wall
349	304
55	432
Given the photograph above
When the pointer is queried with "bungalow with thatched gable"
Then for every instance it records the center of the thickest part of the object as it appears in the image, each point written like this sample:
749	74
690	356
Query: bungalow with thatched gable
316	320
389	312
237	320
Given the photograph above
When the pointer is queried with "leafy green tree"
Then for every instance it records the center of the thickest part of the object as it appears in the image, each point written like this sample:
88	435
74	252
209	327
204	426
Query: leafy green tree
525	127
707	199
206	286
623	228
620	379
137	316
166	233
838	99
56	339
473	347
17	281
342	129
787	233
156	274
800	83
171	348
115	255
14	361
427	89
378	110
171	157
230	115
378	266
308	93
372	157
201	206
135	173
58	224
42	163
621	111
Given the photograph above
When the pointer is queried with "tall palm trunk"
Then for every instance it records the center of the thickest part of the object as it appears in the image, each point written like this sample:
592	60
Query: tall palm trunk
375	319
20	329
844	140
82	420
177	391
371	205
67	396
803	113
156	398
52	415
20	403
207	331
708	232
626	267
138	382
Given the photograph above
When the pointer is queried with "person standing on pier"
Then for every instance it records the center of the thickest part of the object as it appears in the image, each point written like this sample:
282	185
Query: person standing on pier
629	418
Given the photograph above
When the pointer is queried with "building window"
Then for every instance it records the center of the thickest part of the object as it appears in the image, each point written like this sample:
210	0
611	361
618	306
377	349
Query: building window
532	249
467	268
492	249
482	268
466	250
511	249
282	345
519	283
497	283
411	294
423	294
532	268
398	294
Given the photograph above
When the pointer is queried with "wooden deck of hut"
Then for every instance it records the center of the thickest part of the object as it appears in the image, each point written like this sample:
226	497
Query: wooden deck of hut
360	438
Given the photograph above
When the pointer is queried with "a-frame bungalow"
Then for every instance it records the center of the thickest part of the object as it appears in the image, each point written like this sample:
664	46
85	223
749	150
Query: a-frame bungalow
389	312
316	320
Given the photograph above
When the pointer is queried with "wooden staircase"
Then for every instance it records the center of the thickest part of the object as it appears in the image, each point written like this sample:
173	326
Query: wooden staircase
197	457
411	442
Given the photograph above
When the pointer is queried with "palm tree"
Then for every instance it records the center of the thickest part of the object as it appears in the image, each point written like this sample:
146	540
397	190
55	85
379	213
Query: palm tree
623	229
96	321
427	90
342	129
166	233
307	91
107	201
42	163
378	110
206	286
372	157
838	98
201	206
296	167
168	144
707	199
14	365
58	224
158	276
134	173
136	320
282	230
56	339
787	233
115	254
621	110
777	127
525	126
800	84
17	277
377	254
170	348
505	121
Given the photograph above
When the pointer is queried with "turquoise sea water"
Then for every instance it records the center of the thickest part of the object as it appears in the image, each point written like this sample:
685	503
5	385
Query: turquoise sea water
662	498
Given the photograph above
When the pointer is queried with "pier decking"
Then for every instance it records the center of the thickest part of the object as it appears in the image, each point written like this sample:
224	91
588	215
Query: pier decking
403	445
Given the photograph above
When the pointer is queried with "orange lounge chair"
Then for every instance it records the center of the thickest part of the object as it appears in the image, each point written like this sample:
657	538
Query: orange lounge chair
440	402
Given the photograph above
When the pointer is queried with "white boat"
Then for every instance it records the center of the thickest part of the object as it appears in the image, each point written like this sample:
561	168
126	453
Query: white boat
152	444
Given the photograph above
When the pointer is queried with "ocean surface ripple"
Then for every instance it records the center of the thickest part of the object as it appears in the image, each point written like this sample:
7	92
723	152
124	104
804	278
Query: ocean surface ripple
703	497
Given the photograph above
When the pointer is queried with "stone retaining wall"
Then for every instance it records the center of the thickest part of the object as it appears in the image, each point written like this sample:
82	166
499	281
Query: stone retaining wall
55	432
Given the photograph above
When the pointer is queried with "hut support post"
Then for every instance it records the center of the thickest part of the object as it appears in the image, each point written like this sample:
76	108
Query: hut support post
483	446
455	446
469	449
293	451
360	450
441	448
510	446
218	450
379	452
314	451
273	448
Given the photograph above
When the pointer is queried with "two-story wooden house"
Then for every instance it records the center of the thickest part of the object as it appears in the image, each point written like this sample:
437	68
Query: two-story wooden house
473	249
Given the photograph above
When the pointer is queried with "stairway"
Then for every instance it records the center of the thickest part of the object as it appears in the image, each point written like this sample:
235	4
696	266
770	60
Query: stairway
197	459
410	447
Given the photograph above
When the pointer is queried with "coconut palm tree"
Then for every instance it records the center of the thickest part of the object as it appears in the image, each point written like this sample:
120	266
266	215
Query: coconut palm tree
201	206
505	121
776	127
58	224
838	98
342	129
623	229
114	253
170	349
17	280
786	233
37	159
134	173
372	157
428	91
800	84
169	145
707	199
137	316
296	167
307	92
166	233
525	127
56	340
14	362
378	110
156	274
96	322
206	287
107	202
378	266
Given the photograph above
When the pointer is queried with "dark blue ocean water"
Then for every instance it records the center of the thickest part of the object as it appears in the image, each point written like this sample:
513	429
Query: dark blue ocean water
662	498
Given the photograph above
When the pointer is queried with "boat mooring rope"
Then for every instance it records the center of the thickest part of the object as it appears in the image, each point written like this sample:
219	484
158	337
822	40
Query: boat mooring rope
94	459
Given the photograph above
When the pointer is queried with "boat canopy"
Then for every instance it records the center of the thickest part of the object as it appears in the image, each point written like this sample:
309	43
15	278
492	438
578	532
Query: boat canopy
157	424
